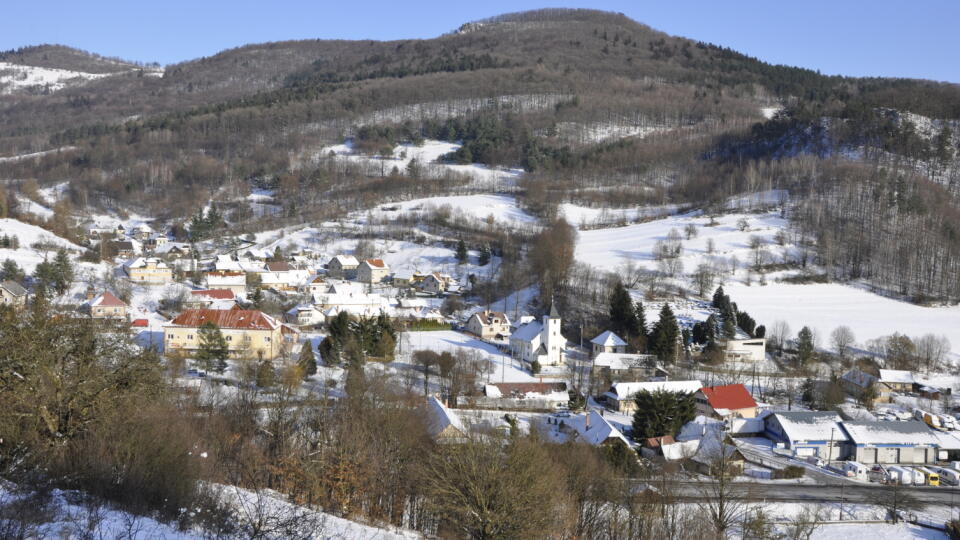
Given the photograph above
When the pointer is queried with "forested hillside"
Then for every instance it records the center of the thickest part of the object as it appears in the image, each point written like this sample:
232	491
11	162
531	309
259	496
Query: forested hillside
599	110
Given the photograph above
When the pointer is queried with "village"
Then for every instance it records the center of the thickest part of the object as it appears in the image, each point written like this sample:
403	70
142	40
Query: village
216	309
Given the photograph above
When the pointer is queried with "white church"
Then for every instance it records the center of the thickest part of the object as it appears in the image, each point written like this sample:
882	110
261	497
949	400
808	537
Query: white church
540	341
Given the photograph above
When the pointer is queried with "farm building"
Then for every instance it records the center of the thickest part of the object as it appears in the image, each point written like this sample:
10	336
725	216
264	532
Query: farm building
745	350
593	429
443	425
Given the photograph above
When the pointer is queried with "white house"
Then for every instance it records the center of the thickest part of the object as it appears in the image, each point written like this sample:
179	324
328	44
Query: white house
540	341
620	396
745	350
233	281
607	342
343	267
489	324
373	271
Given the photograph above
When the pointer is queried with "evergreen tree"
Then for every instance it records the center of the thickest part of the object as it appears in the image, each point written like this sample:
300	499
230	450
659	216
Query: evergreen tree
462	254
277	255
805	346
308	362
718	297
63	271
662	413
11	271
760	331
484	255
665	335
623	317
45	274
213	351
265	374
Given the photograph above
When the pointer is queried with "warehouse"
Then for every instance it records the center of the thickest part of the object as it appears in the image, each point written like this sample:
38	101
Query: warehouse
807	433
891	442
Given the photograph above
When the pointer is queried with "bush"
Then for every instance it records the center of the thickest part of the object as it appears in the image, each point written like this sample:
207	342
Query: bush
427	325
953	529
790	471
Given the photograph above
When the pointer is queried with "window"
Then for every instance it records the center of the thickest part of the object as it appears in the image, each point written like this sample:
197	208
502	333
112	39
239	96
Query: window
189	336
266	339
229	338
169	336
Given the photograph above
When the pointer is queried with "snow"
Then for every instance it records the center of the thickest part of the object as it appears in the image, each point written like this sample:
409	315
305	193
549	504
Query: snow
760	199
824	306
427	155
33	155
876	531
27	234
770	112
503	368
596	132
503	209
26	205
16	77
609	248
587	217
896	376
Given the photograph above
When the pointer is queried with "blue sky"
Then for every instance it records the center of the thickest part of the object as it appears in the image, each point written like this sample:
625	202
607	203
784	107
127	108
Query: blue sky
870	37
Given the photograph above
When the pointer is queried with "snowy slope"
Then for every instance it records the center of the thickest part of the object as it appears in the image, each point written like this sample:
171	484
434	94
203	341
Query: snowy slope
589	217
823	307
501	208
609	248
26	256
427	156
17	78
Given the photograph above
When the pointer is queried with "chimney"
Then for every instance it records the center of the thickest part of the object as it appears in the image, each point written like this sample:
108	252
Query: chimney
587	422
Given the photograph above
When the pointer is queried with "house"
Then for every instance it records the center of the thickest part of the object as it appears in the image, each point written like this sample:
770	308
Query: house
443	425
279	276
343	267
891	442
12	294
373	271
304	315
611	367
489	324
142	232
593	429
235	281
120	231
728	401
210	299
807	433
106	306
314	284
244	330
436	283
148	271
607	342
893	381
745	350
125	249
540	341
534	396
155	241
620	396
404	278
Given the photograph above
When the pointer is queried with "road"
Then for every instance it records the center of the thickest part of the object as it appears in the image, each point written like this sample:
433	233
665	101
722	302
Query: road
863	493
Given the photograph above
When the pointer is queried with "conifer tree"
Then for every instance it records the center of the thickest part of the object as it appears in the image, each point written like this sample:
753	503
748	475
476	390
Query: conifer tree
484	255
662	413
665	335
213	351
462	254
265	374
308	362
805	345
623	318
63	271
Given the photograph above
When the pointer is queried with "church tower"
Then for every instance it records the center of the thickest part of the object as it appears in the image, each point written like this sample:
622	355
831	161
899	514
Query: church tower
551	339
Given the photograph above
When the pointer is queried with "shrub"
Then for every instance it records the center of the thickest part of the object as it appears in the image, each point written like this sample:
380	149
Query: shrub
790	471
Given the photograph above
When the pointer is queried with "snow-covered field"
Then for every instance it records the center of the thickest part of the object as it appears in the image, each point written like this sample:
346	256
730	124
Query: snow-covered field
426	155
33	155
610	248
825	306
501	208
586	217
15	77
503	368
26	256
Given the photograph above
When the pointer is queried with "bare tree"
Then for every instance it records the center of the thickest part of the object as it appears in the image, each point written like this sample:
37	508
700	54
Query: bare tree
841	339
805	523
779	332
703	278
896	499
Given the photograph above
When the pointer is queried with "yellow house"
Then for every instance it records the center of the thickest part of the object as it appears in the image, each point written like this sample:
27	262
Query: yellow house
149	271
244	330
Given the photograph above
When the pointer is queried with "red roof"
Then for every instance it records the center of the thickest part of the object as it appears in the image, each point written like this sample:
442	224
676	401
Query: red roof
216	294
376	262
107	299
140	323
731	396
243	319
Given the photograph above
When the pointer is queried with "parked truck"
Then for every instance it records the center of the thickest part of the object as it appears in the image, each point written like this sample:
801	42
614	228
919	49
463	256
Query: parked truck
930	477
856	469
951	477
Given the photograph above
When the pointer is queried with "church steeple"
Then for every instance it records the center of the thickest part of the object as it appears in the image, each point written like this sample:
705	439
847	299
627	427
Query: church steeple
554	314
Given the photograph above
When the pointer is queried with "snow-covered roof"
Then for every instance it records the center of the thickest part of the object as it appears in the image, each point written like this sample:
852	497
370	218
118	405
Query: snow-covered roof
624	390
528	333
141	262
620	361
896	376
13	288
107	299
859	378
346	260
608	339
597	431
440	418
810	425
885	432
